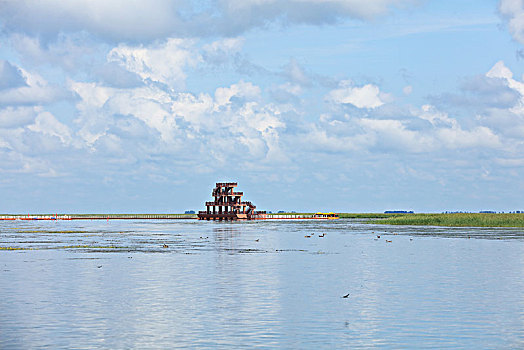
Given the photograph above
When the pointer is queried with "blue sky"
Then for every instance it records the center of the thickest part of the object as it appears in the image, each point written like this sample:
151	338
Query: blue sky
343	105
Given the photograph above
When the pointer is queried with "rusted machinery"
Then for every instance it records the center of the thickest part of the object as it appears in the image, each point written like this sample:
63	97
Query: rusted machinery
228	205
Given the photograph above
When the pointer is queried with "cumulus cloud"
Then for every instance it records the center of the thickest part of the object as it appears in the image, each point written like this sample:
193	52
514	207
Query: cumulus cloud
36	90
114	75
491	91
423	130
139	20
232	122
295	73
10	76
30	140
500	71
47	124
221	51
14	117
164	63
496	92
513	12
367	96
113	19
507	120
286	93
242	90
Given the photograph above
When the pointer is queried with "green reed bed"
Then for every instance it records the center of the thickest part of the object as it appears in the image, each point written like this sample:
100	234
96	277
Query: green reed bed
458	220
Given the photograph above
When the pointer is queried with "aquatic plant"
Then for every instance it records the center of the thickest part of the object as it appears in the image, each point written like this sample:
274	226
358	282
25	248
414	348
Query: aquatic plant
458	220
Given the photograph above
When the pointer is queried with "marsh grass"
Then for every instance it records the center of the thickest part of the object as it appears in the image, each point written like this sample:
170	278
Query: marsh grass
458	220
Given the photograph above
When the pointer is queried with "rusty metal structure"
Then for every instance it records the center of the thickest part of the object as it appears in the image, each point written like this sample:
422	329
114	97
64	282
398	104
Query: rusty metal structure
228	205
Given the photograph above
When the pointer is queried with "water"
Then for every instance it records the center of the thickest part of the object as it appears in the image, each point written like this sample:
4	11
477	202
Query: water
98	284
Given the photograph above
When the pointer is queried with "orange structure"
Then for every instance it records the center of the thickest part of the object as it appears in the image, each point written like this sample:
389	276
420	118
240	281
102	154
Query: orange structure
228	205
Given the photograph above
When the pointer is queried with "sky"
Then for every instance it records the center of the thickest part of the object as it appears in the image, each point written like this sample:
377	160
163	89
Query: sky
140	106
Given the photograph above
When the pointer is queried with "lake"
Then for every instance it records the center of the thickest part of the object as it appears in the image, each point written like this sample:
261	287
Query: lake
186	283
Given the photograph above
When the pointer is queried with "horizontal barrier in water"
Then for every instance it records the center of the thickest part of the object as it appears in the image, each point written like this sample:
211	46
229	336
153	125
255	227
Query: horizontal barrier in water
145	217
99	217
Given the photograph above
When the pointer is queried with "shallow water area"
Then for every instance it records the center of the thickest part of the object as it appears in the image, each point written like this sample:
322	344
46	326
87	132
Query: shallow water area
188	283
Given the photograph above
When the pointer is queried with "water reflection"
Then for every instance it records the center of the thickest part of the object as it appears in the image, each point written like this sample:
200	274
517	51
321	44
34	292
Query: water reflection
220	285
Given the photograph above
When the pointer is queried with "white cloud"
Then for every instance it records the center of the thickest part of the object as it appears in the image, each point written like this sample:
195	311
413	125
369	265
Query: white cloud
243	90
163	63
393	134
439	133
367	96
140	20
296	74
71	51
10	76
14	117
499	70
286	93
508	122
37	91
232	123
47	124
479	137
220	51
32	140
112	19
513	12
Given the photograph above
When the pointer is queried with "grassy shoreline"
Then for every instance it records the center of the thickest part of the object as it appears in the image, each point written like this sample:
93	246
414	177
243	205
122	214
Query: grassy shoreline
457	220
451	220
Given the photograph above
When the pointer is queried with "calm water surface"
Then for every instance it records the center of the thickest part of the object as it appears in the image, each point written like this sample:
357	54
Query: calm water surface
98	284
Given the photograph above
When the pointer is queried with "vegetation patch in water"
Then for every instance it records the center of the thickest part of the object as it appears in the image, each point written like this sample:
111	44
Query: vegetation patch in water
62	247
48	231
14	248
458	220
